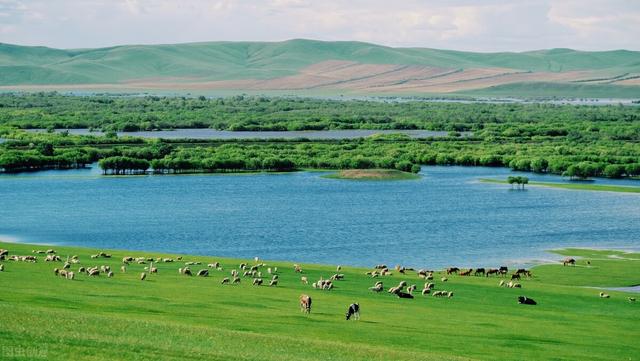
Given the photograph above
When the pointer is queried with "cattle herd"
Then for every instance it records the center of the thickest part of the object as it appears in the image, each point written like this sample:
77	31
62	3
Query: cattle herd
258	272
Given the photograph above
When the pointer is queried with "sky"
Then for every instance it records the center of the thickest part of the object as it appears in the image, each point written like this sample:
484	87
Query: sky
473	25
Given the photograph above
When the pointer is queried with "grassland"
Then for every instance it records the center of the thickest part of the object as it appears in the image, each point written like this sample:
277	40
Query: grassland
317	68
372	175
573	186
175	317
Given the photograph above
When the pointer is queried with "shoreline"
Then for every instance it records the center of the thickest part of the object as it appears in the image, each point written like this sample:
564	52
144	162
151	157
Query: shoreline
528	262
571	186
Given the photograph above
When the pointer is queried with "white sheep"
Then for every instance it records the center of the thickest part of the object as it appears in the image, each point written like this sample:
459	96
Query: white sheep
143	276
110	274
604	295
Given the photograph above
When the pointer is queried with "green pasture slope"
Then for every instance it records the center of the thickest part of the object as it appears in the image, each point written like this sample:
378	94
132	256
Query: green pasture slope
22	65
175	317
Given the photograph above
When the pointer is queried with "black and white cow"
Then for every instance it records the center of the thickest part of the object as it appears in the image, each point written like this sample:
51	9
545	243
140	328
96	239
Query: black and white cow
354	310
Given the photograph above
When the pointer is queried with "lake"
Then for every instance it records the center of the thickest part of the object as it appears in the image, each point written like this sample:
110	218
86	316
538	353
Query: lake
225	134
445	218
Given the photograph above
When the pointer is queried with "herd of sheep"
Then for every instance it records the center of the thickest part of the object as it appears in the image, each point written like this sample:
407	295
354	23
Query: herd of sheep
260	274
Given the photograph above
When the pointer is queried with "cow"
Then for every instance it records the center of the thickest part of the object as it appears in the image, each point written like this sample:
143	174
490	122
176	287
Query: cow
504	270
305	304
467	272
353	311
451	270
479	271
492	271
523	300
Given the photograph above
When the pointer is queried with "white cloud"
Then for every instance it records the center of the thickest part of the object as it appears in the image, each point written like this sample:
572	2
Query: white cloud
480	25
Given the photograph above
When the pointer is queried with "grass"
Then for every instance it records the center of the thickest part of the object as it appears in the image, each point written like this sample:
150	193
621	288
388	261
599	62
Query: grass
573	186
372	175
175	317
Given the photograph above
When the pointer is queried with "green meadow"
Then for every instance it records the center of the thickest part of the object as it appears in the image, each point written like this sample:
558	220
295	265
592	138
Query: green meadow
170	316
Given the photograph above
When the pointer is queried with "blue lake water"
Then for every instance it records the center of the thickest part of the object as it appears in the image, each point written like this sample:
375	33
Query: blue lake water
444	218
225	134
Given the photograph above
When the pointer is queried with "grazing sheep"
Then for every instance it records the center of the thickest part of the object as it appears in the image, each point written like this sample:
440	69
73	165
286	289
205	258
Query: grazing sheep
337	276
1	267
225	281
304	280
4	252
67	265
426	291
449	294
126	260
275	277
378	287
70	275
123	269
429	285
411	288
110	274
236	280
82	270
167	260
569	261
305	304
604	295
338	268
444	279
93	272
273	282
56	271
203	273
234	273
153	270
631	299
429	276
523	300
52	258
213	265
512	284
257	282
63	273
353	311
297	268
143	276
179	258
102	269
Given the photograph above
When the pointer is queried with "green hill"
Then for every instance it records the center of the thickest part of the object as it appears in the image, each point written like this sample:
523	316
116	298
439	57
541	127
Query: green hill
251	62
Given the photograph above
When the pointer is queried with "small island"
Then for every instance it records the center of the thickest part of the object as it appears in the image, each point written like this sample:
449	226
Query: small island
372	174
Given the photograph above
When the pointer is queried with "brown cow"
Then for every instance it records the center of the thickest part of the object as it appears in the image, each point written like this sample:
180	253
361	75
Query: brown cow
305	303
467	272
451	270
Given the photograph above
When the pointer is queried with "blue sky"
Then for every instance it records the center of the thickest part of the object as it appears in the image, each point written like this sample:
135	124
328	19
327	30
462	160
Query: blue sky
476	25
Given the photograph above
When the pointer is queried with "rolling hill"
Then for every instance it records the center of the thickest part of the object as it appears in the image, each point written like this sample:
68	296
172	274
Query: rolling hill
308	66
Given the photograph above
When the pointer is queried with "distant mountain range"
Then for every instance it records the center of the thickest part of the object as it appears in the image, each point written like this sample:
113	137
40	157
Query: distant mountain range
318	67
